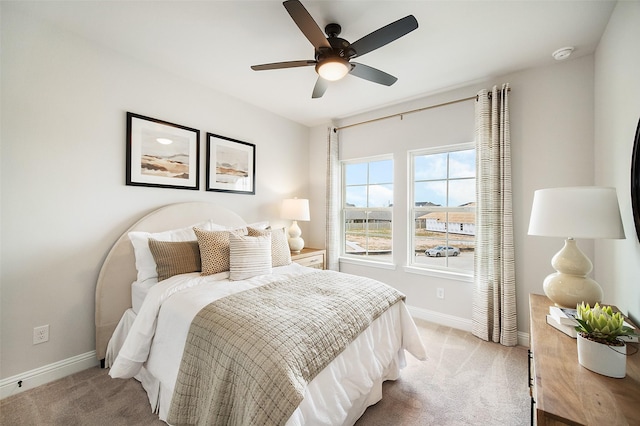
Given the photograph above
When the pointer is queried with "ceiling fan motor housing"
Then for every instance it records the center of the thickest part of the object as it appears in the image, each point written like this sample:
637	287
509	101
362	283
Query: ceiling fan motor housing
339	46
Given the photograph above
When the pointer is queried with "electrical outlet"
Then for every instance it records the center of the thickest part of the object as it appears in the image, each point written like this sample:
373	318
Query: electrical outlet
440	293
41	334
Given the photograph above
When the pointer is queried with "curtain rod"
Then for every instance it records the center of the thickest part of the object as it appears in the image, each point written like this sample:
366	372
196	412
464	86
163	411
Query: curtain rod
400	114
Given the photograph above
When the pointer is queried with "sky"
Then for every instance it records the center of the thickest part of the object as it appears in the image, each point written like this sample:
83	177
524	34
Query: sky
430	174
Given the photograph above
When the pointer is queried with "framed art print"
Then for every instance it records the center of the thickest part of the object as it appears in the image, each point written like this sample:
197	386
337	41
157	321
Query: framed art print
162	154
231	165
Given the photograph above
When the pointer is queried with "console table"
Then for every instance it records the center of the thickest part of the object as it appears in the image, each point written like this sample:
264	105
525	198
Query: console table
565	393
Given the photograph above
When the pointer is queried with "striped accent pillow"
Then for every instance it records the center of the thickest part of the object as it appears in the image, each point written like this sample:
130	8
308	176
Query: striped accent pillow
249	256
175	257
280	253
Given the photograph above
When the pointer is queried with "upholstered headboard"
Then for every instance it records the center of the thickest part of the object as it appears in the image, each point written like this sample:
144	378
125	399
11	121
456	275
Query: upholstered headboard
113	290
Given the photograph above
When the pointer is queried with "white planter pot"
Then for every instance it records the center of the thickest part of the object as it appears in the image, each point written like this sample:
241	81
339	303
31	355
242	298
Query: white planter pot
607	360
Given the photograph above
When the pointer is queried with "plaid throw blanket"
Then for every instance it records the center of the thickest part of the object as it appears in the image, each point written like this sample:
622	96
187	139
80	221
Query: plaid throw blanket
249	356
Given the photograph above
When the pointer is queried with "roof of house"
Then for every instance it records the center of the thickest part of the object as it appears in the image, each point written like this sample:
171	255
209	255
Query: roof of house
440	216
454	217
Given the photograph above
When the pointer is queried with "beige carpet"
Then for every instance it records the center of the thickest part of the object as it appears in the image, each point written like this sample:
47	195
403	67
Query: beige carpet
465	382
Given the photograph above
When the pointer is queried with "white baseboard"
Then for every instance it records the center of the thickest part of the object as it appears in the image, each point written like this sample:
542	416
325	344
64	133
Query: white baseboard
440	318
523	338
45	374
454	322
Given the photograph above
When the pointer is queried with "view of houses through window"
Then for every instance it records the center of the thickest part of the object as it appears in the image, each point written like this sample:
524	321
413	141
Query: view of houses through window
442	200
367	204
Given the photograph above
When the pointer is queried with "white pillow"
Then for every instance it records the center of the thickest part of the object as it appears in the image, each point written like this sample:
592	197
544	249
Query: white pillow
145	264
259	225
280	253
249	256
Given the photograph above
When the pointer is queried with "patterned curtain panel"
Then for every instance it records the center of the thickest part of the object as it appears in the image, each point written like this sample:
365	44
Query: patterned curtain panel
494	299
333	201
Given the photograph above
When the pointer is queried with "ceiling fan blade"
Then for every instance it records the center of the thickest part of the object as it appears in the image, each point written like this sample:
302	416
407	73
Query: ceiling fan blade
384	35
320	88
279	65
305	22
372	74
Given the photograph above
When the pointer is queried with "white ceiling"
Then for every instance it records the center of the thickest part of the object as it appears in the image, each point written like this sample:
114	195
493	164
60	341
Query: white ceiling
215	43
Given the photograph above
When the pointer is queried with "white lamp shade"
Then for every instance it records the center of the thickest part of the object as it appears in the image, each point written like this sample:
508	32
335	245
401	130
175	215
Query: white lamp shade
576	212
295	209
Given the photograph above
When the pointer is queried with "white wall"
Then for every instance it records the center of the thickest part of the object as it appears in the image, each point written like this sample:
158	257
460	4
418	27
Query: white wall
552	145
64	198
617	111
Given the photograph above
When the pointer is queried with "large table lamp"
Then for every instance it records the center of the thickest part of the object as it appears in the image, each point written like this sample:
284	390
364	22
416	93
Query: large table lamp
295	209
574	212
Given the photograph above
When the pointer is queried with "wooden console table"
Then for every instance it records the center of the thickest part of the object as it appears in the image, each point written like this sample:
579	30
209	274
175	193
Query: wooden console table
565	393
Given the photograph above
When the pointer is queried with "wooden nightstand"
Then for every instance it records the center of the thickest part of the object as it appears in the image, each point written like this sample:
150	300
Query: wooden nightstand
311	257
565	393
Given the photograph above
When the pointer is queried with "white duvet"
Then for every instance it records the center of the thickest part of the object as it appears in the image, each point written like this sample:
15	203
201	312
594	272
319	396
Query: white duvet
149	346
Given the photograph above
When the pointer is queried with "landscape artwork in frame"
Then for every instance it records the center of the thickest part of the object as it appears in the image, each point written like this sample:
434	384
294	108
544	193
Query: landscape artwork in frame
162	154
230	165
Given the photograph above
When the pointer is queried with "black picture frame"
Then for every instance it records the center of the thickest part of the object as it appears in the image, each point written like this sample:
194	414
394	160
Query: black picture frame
635	180
231	165
162	154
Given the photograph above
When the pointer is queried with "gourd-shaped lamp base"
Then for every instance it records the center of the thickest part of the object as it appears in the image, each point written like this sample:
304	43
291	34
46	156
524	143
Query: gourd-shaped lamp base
570	285
296	243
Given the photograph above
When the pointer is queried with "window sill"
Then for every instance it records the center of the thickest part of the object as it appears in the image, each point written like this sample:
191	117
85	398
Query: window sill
458	276
371	263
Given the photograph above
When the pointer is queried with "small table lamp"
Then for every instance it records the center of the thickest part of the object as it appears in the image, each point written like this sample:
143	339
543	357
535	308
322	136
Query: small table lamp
575	212
295	209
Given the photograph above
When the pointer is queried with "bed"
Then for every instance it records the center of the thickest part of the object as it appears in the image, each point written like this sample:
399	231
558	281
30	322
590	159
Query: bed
147	326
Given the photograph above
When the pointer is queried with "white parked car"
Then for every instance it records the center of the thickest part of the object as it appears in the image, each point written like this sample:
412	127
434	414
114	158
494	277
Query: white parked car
442	251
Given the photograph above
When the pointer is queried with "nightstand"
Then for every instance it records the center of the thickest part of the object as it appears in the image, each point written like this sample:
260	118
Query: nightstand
565	393
311	257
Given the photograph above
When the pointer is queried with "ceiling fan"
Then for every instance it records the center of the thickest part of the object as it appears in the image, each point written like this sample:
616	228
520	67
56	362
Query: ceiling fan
333	54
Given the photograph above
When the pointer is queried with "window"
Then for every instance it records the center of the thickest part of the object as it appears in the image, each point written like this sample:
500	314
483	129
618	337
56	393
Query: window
367	201
443	201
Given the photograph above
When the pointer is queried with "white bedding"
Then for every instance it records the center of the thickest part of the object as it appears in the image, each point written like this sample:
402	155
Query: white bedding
154	343
139	292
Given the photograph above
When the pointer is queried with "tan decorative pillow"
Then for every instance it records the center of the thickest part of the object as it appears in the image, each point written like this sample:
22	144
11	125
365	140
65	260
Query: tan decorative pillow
249	256
175	257
145	265
280	253
214	249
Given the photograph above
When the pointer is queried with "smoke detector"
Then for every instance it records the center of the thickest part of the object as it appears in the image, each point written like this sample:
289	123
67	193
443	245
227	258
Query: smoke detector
562	53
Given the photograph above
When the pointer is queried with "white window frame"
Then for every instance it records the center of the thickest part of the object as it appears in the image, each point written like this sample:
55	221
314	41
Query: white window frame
386	263
412	265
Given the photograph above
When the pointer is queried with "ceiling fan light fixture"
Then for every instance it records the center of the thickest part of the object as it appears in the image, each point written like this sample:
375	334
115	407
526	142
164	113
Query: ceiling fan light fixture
333	69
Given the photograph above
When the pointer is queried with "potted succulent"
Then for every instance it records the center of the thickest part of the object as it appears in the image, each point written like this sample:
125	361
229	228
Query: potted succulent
600	348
